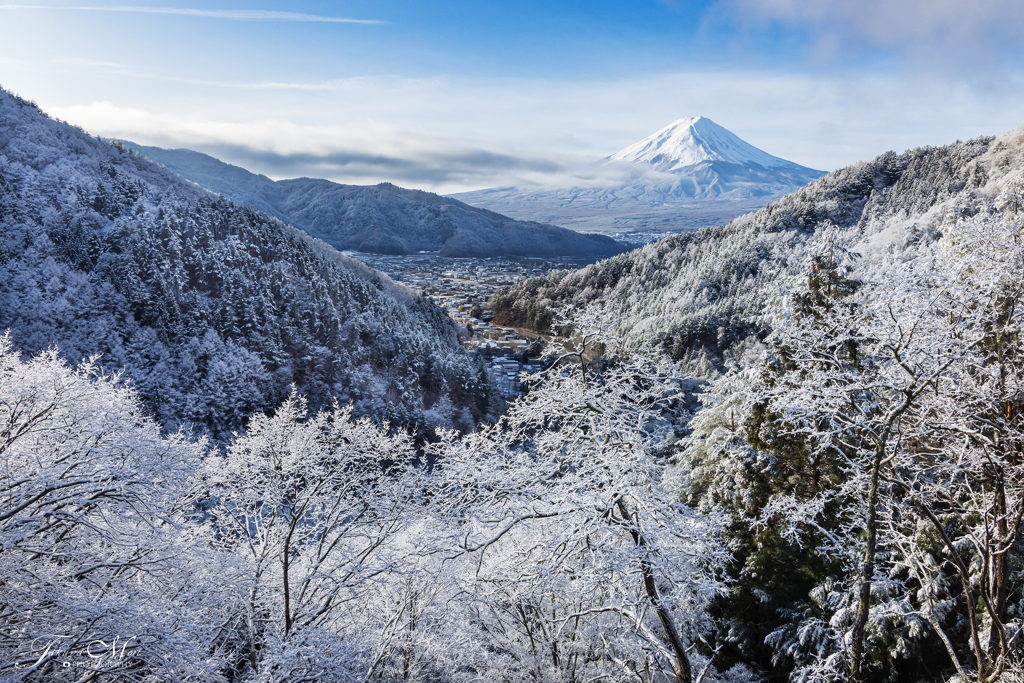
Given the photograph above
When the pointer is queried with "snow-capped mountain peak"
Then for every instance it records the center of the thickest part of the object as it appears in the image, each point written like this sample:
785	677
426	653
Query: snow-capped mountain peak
692	141
688	175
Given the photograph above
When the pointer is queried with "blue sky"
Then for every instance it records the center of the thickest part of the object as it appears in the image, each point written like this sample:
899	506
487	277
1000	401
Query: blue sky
463	95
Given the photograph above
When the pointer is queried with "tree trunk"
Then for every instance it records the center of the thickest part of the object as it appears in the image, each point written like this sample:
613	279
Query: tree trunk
683	669
999	587
868	570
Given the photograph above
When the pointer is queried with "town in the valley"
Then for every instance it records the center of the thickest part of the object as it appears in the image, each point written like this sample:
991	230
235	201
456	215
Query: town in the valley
462	287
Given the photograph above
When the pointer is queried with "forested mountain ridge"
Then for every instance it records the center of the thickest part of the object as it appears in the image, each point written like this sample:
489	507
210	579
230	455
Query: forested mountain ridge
702	292
383	218
212	309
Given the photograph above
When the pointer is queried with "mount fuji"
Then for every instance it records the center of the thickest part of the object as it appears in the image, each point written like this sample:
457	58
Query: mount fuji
689	174
694	141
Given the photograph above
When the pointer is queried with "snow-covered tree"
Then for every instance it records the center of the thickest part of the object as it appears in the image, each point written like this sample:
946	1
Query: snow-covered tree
900	407
1011	197
309	508
956	481
98	573
582	563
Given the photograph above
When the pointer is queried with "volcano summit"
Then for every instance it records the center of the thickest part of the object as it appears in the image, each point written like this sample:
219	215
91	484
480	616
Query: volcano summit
687	175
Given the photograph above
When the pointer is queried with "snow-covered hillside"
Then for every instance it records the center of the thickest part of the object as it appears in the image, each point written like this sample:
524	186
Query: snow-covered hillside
211	309
383	218
688	175
701	293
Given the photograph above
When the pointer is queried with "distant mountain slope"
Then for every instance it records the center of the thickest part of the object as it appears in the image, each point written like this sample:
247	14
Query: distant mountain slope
701	293
690	174
709	162
212	309
237	184
383	218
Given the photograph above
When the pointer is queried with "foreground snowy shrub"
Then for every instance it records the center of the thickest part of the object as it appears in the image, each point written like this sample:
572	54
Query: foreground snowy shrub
97	573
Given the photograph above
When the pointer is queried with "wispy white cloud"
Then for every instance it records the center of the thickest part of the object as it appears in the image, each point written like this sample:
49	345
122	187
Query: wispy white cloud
237	15
936	33
894	22
451	134
82	61
128	70
357	152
